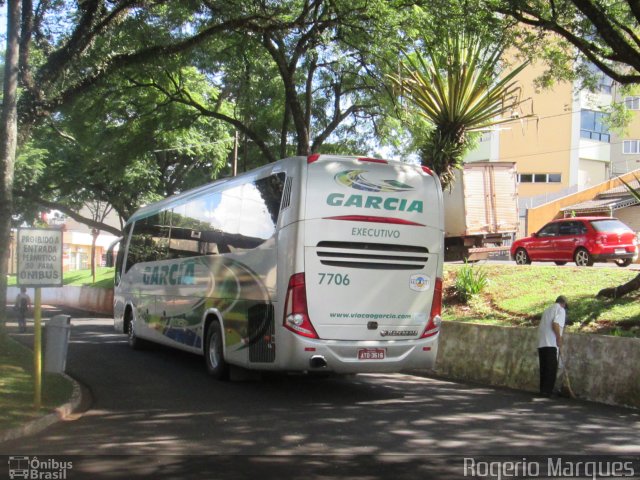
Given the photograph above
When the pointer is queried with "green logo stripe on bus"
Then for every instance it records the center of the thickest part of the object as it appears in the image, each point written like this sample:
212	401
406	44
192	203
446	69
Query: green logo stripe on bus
355	179
376	203
175	274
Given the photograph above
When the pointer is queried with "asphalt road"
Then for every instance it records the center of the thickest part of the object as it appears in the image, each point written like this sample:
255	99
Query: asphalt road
156	412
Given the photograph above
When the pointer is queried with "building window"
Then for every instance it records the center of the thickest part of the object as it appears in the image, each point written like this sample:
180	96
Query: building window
525	178
554	178
485	137
632	103
605	84
630	147
539	177
592	126
601	82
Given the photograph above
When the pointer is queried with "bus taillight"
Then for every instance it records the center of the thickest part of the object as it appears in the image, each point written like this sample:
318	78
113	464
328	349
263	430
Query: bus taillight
433	325
296	315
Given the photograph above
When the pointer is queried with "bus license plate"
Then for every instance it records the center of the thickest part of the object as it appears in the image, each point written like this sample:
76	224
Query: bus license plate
371	353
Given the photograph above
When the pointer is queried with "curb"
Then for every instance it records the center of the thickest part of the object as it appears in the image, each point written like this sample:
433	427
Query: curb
59	414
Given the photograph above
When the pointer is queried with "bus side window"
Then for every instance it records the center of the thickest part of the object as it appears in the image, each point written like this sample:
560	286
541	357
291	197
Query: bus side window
149	239
193	230
241	217
121	245
119	261
260	208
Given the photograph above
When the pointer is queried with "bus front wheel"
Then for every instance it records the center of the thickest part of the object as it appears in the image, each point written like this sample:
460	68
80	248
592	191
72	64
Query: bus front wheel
214	354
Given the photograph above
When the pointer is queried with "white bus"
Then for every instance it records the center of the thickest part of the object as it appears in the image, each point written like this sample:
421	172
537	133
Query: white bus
324	263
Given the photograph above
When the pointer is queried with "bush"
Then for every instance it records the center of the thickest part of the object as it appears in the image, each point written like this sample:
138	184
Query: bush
470	281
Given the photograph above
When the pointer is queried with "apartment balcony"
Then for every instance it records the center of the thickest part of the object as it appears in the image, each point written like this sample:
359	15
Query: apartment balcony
594	150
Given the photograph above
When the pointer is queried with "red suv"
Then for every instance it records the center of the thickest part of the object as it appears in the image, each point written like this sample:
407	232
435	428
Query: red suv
583	240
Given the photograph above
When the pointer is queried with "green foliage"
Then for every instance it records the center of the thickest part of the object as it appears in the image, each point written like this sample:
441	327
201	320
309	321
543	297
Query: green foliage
518	296
125	145
457	88
104	278
470	281
619	332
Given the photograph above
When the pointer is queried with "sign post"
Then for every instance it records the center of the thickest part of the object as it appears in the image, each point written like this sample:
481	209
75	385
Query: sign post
37	349
39	253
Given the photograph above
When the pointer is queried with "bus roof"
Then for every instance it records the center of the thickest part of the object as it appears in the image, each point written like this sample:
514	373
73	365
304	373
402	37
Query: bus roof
152	208
187	195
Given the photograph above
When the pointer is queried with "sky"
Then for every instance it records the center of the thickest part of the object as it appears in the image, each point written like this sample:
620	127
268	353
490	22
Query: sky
3	25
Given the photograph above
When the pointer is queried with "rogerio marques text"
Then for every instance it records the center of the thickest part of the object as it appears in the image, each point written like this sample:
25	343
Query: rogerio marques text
551	467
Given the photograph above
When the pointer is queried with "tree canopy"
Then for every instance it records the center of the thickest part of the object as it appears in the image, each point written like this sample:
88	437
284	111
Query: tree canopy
605	34
120	144
58	51
152	100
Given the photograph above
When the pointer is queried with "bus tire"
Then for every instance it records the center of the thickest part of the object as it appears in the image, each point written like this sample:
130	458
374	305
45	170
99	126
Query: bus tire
214	353
133	340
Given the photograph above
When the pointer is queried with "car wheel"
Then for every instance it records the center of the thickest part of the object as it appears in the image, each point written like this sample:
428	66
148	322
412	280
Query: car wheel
214	353
583	258
623	262
522	257
560	263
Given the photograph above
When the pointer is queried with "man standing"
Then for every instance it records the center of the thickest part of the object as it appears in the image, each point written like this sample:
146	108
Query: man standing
550	343
22	304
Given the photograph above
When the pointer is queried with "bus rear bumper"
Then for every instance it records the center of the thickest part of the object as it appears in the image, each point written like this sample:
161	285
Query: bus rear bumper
361	356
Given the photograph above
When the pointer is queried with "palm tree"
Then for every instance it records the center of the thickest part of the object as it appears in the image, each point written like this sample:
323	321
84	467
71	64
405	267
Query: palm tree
458	89
633	284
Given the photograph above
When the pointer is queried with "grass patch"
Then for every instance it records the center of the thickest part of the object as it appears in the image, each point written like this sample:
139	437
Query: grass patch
17	389
81	278
517	295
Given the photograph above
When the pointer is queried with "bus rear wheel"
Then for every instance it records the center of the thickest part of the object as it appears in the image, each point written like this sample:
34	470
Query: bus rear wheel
133	340
214	353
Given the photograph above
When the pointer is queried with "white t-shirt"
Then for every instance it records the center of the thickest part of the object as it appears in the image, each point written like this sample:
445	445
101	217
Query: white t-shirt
554	314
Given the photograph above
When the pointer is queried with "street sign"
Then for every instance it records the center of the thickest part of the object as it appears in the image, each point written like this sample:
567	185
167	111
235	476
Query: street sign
39	257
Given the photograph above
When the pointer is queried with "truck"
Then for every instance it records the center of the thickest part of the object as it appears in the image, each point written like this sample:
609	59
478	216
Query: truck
481	211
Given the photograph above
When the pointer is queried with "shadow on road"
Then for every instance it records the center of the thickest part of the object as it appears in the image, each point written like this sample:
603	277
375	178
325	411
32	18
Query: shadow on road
160	406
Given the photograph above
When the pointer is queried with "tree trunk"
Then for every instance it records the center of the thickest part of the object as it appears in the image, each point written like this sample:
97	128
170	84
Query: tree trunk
94	237
8	144
620	290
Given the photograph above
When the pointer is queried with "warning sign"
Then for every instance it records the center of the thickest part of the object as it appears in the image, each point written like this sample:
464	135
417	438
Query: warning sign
39	257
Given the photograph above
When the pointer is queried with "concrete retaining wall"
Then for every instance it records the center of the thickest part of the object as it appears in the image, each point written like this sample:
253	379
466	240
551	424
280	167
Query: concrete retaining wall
97	300
601	368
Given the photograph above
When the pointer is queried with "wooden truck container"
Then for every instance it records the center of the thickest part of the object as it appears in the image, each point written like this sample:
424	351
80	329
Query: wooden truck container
481	211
